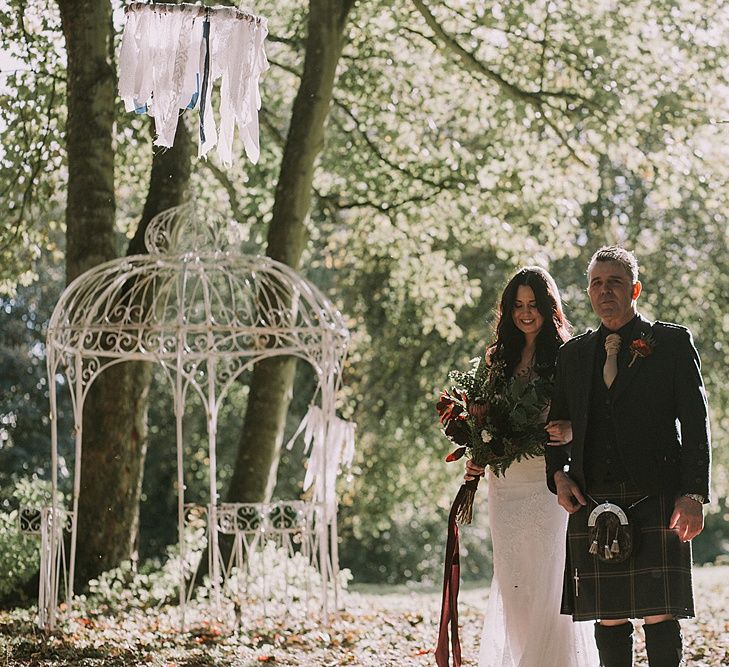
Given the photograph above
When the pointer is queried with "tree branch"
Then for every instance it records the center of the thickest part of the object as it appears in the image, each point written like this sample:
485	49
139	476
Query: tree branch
422	35
284	67
222	177
387	161
332	200
543	55
289	41
474	65
563	138
469	59
268	125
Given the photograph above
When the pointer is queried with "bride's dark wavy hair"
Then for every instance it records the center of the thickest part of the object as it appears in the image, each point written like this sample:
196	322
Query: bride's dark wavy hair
555	330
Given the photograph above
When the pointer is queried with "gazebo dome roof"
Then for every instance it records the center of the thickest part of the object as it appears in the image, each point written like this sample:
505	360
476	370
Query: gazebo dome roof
194	294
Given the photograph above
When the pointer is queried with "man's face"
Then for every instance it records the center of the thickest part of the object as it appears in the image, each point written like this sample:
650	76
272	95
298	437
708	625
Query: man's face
612	293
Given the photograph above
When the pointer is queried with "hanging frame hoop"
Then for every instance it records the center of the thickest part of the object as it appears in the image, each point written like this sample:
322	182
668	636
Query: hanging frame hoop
199	9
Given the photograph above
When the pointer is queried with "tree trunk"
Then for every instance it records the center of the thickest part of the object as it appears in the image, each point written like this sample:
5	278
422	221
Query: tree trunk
91	90
115	415
107	462
169	181
115	411
272	380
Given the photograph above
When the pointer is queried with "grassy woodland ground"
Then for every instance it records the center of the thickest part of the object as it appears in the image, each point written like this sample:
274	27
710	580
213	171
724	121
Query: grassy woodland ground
379	629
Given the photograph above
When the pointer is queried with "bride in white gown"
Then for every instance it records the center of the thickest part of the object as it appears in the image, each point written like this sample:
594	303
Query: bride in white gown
523	625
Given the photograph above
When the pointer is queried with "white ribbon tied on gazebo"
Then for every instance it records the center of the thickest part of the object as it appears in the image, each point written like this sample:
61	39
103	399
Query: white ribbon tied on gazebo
332	448
171	55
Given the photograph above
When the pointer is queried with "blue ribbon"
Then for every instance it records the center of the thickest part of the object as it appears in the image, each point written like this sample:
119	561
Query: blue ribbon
206	73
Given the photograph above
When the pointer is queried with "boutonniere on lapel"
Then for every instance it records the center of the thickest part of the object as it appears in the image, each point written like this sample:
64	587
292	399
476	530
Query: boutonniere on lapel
641	347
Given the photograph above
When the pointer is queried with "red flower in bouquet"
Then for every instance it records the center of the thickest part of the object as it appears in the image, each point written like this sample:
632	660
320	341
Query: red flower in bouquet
458	431
456	454
641	347
451	406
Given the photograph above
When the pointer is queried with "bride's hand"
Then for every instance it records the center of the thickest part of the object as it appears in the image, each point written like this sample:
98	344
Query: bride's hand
560	432
473	471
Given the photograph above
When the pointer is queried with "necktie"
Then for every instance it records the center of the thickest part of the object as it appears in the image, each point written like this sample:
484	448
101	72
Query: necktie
610	369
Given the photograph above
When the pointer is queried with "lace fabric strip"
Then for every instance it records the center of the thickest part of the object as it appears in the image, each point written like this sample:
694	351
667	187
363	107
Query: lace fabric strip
331	442
162	65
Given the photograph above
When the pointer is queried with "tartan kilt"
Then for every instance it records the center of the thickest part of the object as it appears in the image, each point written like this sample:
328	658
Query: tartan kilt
656	579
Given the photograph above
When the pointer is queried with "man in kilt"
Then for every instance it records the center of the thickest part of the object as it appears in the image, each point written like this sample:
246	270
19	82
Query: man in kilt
618	454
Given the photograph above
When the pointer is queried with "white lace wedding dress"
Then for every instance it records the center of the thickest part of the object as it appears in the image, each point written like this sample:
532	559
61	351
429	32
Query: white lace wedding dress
523	625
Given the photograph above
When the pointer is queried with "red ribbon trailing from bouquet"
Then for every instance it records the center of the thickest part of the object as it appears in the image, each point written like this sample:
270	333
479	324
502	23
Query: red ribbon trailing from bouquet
451	583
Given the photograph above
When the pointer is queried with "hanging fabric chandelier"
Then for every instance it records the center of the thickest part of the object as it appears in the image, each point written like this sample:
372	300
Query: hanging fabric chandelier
171	57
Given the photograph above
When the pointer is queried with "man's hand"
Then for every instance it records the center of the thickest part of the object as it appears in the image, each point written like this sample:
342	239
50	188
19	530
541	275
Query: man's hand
560	432
569	495
687	518
473	471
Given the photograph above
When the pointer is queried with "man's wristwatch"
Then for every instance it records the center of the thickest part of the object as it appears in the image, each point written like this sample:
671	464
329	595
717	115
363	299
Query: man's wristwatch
695	496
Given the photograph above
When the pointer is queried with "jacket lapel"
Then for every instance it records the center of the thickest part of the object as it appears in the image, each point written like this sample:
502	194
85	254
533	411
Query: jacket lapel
625	375
586	365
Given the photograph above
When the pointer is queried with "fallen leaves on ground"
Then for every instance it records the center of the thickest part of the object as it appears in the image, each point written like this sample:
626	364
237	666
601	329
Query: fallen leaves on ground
376	630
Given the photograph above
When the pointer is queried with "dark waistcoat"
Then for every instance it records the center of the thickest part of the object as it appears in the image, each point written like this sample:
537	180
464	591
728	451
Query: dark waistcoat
603	465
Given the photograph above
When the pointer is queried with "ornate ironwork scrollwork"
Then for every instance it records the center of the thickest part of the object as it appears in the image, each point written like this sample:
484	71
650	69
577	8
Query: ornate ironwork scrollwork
29	520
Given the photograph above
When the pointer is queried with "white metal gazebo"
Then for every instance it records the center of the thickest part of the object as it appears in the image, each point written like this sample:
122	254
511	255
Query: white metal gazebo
206	314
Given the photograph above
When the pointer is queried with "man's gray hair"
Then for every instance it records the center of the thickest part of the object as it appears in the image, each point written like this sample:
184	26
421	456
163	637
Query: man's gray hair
614	253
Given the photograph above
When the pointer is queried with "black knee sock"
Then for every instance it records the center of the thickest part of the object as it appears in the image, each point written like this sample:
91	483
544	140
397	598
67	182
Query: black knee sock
663	642
615	644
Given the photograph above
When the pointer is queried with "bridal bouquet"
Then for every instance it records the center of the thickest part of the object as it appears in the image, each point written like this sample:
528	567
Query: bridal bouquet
509	422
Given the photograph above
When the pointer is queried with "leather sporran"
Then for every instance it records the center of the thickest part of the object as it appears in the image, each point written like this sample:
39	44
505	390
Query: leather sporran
610	533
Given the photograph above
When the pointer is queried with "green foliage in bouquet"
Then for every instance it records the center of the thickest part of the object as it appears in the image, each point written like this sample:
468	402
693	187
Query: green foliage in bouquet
514	409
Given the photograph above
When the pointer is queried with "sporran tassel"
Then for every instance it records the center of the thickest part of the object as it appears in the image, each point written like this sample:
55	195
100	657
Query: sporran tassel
608	552
615	548
593	548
